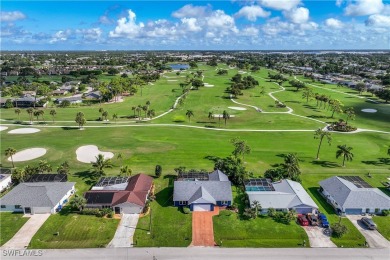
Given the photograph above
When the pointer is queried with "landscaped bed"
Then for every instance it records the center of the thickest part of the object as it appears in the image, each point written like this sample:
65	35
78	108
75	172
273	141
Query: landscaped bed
231	231
74	231
10	223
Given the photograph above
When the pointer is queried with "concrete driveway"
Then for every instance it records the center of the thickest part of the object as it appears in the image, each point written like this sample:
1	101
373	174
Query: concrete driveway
318	237
23	237
373	237
125	232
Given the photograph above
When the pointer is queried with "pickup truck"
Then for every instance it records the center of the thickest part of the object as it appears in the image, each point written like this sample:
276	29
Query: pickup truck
323	220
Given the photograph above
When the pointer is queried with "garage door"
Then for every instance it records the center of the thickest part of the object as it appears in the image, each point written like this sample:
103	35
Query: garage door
202	207
353	211
304	210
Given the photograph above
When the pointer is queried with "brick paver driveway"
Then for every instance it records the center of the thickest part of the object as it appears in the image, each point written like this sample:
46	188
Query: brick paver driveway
202	227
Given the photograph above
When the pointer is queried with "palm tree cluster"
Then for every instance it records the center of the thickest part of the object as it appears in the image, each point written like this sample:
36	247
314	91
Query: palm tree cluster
289	169
143	108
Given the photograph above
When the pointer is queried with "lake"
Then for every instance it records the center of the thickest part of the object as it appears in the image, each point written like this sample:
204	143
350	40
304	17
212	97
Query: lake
179	66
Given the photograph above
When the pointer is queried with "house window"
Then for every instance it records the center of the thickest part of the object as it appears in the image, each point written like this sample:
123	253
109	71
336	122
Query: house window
224	202
18	207
182	202
3	206
377	210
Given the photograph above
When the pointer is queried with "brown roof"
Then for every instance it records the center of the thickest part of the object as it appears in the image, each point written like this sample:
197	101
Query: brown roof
139	182
137	198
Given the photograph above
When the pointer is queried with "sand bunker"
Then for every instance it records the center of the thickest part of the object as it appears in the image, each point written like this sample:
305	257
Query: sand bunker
237	108
88	153
221	115
170	80
369	110
24	131
2	128
28	154
207	85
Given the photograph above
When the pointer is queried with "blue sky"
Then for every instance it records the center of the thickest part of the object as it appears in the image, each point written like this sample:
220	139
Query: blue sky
195	25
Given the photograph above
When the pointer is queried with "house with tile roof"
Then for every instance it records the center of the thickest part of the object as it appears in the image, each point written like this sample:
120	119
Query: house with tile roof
123	195
351	195
201	192
37	197
282	195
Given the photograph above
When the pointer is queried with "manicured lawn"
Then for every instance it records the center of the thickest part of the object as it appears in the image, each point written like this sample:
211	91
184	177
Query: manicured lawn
10	223
75	231
259	232
170	227
383	225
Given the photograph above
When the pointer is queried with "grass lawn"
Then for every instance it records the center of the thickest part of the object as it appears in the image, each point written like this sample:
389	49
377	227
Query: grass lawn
170	227
10	223
259	232
75	231
383	225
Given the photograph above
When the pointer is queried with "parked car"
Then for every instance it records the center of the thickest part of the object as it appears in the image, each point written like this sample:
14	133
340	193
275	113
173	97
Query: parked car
303	220
369	223
313	220
323	220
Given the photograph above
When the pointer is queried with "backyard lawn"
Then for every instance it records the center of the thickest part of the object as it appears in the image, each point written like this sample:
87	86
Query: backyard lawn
74	231
259	232
383	225
10	223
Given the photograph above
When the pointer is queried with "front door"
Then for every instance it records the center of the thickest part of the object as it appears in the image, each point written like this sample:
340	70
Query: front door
117	210
27	210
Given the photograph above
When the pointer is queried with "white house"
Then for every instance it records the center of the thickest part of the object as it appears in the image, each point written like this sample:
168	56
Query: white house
5	181
37	197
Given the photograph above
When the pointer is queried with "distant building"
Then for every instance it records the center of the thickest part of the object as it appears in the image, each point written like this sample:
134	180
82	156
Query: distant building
5	179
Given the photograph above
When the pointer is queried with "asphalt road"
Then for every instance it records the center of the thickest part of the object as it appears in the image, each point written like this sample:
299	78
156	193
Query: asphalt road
202	253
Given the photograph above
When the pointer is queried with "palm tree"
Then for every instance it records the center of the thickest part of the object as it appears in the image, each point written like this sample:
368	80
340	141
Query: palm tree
133	108
350	114
41	113
151	113
9	152
30	112
344	151
211	115
145	109
105	115
225	116
189	114
17	111
307	93
63	168
120	157
138	109
44	166
125	170
115	117
291	166
37	114
100	164
148	104
78	202
320	134
53	112
80	119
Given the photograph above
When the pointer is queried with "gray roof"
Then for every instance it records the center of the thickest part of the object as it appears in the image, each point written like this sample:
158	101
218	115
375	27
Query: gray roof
347	195
37	194
211	190
287	194
217	175
202	196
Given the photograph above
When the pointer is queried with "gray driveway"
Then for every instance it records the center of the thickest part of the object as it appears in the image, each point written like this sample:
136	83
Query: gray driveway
373	237
23	237
124	234
318	237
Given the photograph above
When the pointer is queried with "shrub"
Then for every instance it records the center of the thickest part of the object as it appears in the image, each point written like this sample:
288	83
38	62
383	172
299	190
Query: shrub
179	119
271	212
338	230
100	214
90	212
158	171
111	214
385	212
186	210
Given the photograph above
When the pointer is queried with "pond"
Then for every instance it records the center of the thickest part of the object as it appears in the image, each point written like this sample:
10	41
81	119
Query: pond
179	66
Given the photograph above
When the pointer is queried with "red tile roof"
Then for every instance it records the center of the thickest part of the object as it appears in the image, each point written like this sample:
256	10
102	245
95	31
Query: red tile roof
140	182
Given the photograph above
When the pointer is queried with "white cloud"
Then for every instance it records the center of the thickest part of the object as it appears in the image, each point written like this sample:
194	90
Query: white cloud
104	19
339	2
92	34
333	23
364	7
378	20
60	36
190	11
280	4
252	12
219	20
297	15
127	27
250	31
11	16
191	24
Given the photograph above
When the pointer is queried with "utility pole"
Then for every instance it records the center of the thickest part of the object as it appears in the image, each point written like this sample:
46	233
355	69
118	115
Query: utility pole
150	221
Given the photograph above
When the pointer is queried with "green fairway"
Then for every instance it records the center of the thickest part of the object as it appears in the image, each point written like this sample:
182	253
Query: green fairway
10	223
383	225
230	231
170	227
74	231
172	144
